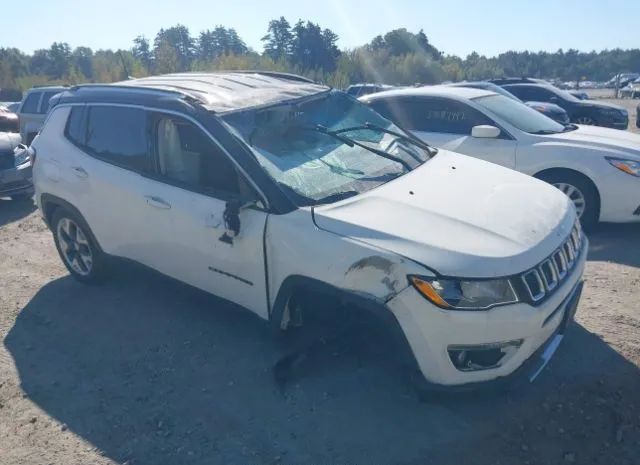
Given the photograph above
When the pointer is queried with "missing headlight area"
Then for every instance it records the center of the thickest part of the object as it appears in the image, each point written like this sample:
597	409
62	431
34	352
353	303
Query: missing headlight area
482	356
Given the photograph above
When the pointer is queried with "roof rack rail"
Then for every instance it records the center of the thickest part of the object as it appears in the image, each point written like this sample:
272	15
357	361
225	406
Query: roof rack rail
276	74
185	95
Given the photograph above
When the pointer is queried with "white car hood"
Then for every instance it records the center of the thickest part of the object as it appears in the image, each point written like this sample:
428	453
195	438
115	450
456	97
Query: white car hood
459	216
603	138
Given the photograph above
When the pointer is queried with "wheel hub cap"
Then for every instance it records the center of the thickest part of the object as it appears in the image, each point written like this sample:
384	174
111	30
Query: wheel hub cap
74	246
575	195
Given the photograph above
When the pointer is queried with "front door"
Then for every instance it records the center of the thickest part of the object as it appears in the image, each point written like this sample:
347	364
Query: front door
185	206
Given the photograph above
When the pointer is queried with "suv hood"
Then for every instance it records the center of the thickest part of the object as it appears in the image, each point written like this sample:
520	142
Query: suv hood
595	137
458	216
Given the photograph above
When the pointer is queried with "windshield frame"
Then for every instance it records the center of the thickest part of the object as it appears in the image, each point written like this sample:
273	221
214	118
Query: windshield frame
405	145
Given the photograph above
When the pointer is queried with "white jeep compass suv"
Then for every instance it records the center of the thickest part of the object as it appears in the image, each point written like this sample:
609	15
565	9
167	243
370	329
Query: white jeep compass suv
265	189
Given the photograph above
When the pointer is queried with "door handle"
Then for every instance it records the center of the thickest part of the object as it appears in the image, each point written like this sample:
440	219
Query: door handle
80	171
157	202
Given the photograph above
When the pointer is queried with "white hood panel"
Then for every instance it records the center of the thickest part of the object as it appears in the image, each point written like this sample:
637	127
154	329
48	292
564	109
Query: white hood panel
459	216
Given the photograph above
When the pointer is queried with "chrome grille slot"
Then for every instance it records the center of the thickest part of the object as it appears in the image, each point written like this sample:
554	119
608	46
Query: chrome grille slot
570	252
549	274
534	284
561	263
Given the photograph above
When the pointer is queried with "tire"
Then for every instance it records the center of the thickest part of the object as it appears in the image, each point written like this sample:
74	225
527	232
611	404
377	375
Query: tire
582	193
77	246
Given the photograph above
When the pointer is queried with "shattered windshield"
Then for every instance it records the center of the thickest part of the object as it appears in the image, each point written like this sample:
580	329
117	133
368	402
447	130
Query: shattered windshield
326	148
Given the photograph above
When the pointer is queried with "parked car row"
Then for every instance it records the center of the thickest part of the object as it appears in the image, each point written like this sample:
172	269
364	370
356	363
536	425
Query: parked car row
597	168
267	188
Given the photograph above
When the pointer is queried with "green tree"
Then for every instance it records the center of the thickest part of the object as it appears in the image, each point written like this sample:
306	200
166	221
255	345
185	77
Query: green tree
278	40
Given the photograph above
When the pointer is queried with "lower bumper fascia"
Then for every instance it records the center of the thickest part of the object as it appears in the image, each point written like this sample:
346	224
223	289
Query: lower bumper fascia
529	371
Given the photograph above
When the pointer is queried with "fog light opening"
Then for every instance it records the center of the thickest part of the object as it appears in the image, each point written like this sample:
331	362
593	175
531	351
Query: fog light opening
482	356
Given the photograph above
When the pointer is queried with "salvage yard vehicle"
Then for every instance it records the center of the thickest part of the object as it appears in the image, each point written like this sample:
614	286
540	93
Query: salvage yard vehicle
33	110
598	168
15	167
588	112
266	188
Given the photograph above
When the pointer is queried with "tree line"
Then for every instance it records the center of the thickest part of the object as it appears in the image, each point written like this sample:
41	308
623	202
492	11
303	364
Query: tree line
398	57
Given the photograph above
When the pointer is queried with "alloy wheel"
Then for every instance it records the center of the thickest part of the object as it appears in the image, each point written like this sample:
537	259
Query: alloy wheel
575	195
74	246
586	120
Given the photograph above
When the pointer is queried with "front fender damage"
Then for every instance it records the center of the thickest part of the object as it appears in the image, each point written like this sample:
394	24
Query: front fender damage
375	277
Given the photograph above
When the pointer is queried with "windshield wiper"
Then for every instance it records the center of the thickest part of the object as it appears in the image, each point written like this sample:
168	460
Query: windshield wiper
352	142
543	132
407	137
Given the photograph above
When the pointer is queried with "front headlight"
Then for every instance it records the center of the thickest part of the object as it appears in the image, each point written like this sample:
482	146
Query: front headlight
628	166
21	157
463	294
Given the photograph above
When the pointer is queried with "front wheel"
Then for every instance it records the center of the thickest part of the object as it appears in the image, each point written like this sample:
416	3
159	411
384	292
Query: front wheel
581	192
586	120
77	248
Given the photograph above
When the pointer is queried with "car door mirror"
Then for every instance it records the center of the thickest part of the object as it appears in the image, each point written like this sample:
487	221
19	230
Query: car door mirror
485	131
554	100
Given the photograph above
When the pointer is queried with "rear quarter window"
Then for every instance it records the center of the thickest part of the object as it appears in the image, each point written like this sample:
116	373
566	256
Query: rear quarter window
118	135
31	103
76	129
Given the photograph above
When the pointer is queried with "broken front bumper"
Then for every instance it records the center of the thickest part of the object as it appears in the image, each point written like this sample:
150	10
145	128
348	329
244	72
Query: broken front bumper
527	332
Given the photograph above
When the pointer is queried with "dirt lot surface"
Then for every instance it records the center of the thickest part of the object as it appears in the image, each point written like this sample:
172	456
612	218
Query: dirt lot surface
144	370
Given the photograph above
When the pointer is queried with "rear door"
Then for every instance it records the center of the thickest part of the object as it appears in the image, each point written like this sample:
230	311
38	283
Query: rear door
184	215
447	123
105	171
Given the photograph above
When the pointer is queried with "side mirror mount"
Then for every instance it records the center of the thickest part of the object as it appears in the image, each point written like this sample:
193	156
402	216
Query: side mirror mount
231	217
485	131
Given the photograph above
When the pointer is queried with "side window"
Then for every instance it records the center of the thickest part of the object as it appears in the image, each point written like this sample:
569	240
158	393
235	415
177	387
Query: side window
119	135
190	159
76	129
431	114
31	103
44	106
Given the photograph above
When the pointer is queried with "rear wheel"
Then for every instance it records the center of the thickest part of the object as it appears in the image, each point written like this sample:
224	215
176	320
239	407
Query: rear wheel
76	246
581	192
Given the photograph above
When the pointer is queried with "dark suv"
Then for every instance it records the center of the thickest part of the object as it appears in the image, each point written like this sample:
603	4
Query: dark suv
580	111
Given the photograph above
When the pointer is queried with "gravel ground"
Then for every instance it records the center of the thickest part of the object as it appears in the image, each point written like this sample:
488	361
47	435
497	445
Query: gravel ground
144	370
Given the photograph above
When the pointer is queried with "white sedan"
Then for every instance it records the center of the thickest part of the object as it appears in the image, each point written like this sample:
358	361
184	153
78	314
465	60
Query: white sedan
598	168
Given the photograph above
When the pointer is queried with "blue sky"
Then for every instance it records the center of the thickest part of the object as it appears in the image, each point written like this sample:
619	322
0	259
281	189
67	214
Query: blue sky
458	27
